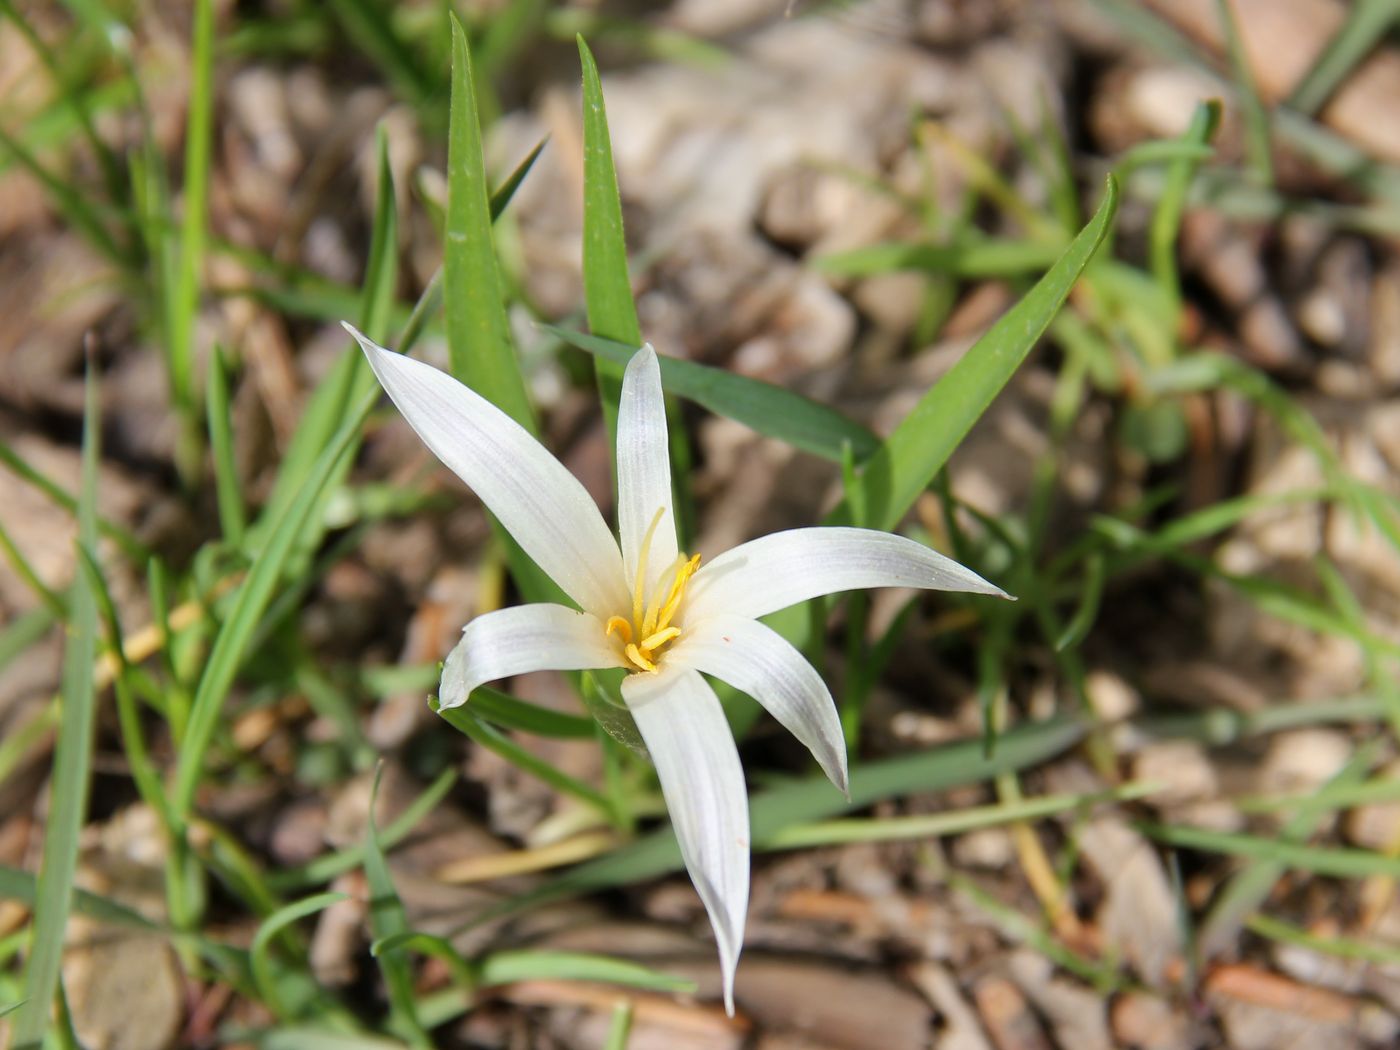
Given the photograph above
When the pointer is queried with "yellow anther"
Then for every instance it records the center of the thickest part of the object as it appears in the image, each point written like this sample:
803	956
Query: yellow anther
621	626
634	654
660	638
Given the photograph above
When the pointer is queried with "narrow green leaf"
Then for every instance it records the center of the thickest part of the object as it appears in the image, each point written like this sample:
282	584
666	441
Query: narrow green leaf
233	516
386	919
771	410
1171	205
1342	947
300	1037
260	951
478	333
1366	24
509	713
129	544
1336	862
143	771
51	601
1248	889
509	967
439	948
184	302
607	289
939	825
369	25
323	869
349	381
465	721
967	257
813	798
249	604
621	1028
72	766
74	96
69	200
920	446
22	632
1257	144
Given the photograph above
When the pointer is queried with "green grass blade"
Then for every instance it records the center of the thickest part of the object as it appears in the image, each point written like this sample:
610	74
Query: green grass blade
509	713
478	333
251	601
1336	862
771	410
503	194
1257	137
964	257
512	966
350	380
813	798
607	290
184	302
1171	205
23	631
233	515
492	705
938	825
143	771
1248	889
325	868
130	545
386	919
369	26
260	951
74	96
465	721
920	446
51	601
1343	947
621	1028
72	767
436	947
382	267
67	199
1366	24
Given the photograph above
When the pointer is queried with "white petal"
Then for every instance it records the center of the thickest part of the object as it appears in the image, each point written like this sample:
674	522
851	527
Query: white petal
756	659
773	572
683	724
521	639
538	501
644	469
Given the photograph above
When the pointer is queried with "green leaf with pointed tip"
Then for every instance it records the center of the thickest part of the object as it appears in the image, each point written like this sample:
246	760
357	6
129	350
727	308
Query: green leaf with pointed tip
72	763
920	446
479	344
607	289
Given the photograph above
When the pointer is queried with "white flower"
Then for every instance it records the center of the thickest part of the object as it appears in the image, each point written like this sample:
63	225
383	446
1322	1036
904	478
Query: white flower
652	610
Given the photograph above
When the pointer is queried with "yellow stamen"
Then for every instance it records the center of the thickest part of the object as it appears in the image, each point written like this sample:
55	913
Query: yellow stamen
648	623
660	638
642	553
673	600
634	654
651	618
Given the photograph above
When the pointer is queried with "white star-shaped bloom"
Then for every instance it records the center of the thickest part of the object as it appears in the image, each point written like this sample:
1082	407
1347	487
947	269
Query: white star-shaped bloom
648	608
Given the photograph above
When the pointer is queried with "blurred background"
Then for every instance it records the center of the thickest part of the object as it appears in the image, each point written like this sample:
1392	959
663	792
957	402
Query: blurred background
1153	804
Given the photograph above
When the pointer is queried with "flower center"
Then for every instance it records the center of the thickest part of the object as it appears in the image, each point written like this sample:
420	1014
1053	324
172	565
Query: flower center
647	634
